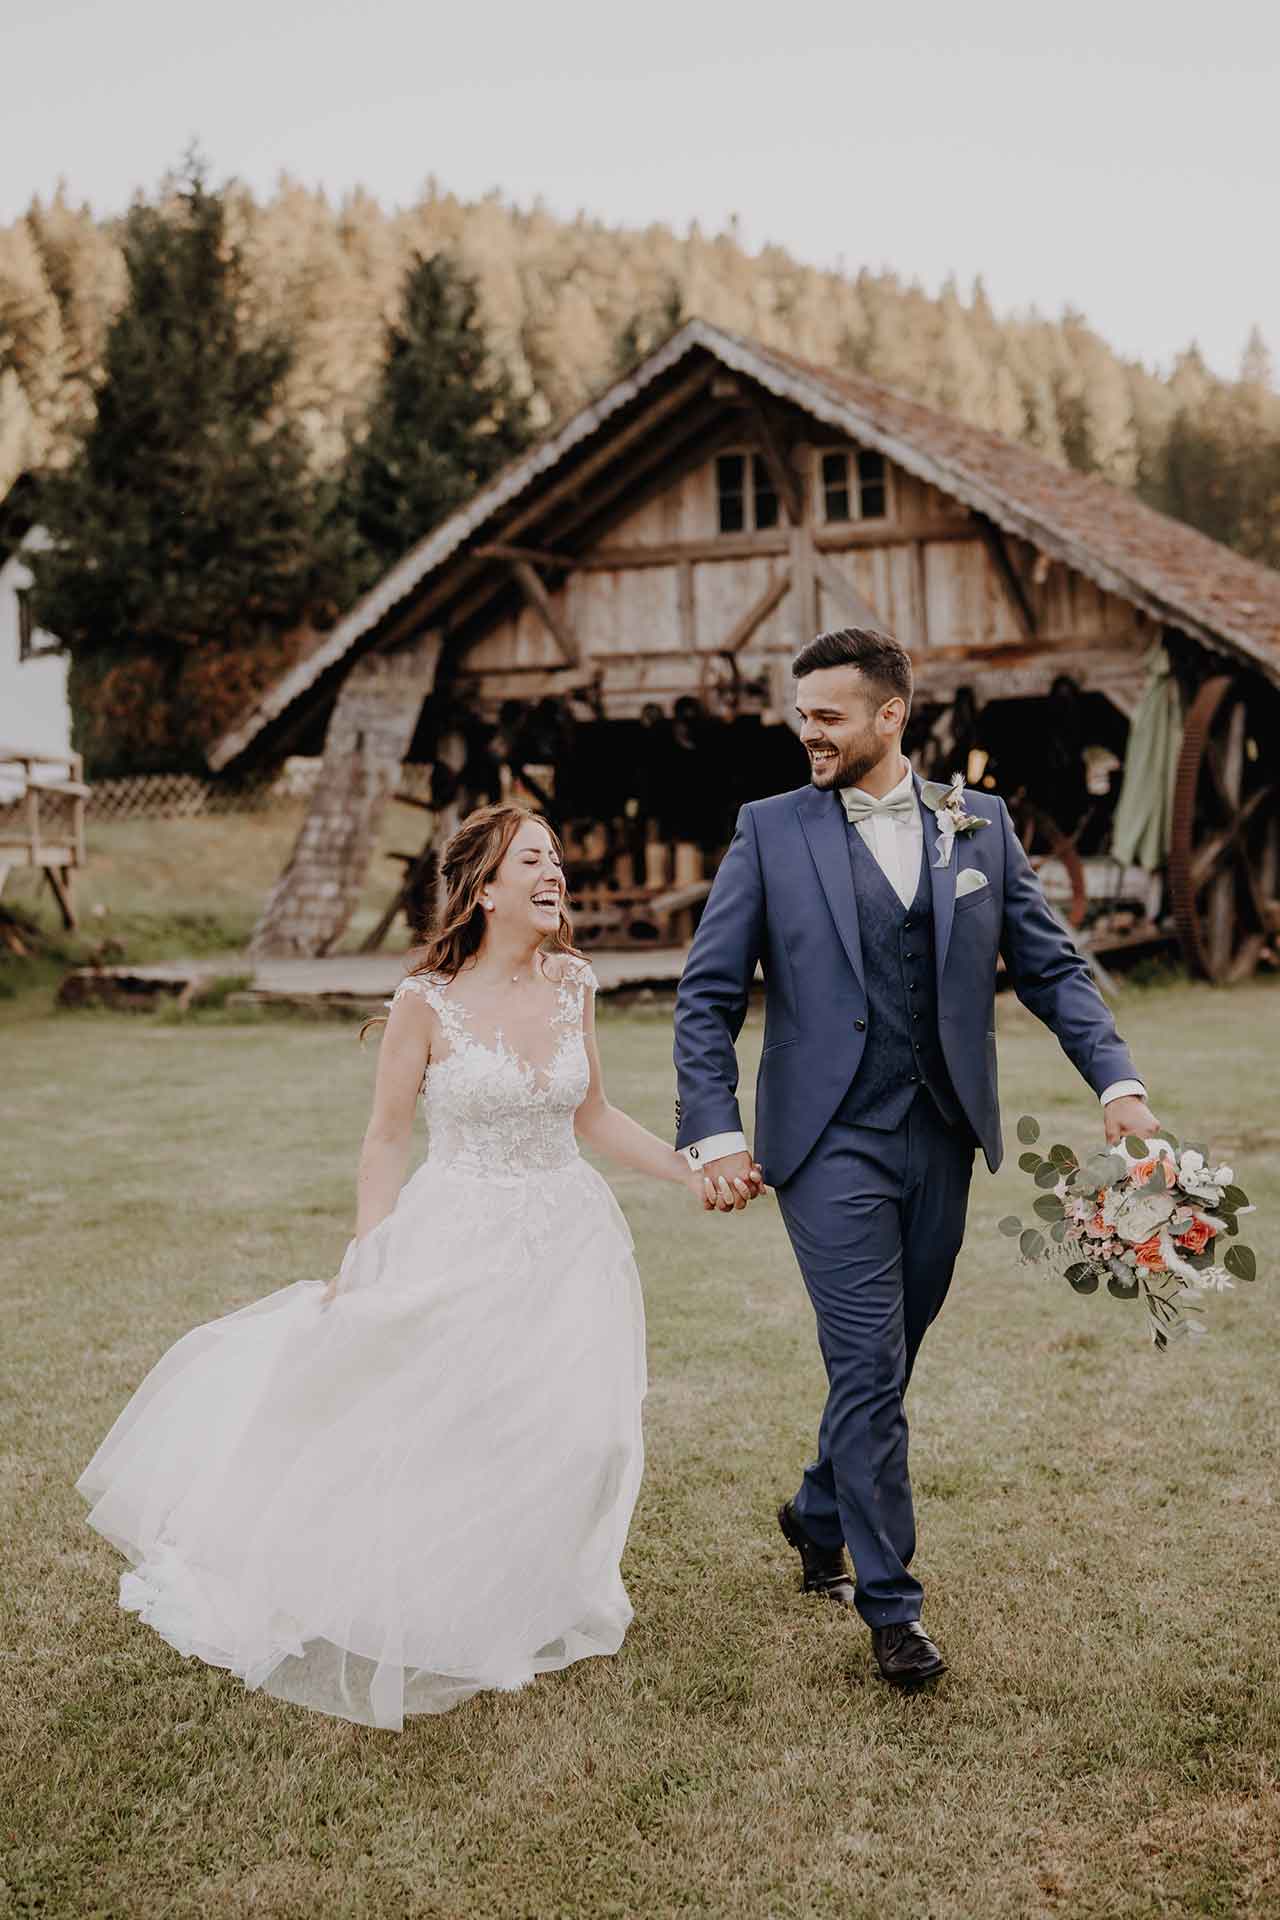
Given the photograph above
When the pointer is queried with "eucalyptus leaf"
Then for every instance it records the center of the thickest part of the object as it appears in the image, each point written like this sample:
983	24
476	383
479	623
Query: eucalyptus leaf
1241	1262
1121	1289
1031	1244
1233	1198
1030	1162
1082	1277
1011	1225
1048	1175
1058	1232
1028	1130
1135	1146
1049	1207
1198	1260
1063	1157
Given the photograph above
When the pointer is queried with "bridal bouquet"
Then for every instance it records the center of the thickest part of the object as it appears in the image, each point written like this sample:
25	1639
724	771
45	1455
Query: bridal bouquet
1149	1217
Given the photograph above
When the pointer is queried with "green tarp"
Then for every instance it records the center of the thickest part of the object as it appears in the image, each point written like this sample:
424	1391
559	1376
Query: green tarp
1143	826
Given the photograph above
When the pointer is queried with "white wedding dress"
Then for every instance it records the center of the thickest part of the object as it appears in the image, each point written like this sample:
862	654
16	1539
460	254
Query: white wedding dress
380	1506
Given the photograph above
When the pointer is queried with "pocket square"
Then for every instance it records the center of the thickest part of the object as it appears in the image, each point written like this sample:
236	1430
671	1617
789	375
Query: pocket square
968	881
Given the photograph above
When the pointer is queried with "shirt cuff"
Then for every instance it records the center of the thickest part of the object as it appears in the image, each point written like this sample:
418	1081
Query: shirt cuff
714	1147
1119	1088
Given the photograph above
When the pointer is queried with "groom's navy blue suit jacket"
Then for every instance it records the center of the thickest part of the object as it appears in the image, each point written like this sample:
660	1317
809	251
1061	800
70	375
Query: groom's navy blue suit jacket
784	896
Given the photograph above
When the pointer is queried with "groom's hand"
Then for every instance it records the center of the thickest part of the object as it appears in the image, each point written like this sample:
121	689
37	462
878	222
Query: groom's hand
1129	1114
736	1179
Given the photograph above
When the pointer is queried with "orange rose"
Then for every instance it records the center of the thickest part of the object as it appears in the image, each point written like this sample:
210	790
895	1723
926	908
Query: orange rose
1149	1254
1097	1226
1141	1171
1196	1237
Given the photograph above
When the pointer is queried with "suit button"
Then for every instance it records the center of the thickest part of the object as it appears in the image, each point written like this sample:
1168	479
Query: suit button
859	1026
915	1016
913	1079
907	925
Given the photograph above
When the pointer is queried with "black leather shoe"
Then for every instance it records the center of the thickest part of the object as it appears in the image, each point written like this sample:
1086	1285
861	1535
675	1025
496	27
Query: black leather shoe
825	1568
905	1654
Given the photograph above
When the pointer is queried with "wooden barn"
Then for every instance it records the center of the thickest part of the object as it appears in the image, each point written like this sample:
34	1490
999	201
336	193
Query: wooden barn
608	628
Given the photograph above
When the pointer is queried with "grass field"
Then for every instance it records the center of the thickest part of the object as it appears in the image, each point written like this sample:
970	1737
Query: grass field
1098	1528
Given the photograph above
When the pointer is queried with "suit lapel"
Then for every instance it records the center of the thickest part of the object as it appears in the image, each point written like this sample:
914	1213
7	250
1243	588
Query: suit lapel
822	819
942	884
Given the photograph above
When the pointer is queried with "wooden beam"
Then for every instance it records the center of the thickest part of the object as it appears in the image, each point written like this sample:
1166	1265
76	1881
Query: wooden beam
1015	592
757	613
536	556
770	545
617	442
786	481
846	594
544	606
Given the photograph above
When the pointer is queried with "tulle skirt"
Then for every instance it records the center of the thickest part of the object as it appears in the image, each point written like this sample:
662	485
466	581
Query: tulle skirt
381	1505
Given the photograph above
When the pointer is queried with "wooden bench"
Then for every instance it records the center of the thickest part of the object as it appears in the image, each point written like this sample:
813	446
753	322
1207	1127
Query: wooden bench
42	825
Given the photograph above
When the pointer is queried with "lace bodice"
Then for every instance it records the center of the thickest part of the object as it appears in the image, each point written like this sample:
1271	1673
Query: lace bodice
490	1111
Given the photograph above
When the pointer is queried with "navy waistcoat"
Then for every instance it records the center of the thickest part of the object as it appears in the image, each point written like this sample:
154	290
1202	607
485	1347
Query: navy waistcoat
902	1052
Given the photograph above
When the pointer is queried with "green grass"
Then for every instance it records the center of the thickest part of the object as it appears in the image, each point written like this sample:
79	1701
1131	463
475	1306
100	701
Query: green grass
1098	1542
176	889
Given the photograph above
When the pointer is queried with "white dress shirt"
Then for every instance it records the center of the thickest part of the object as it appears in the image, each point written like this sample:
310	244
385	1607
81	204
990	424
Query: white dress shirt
896	843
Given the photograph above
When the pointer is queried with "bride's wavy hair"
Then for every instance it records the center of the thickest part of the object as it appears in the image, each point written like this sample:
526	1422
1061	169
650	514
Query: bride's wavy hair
472	855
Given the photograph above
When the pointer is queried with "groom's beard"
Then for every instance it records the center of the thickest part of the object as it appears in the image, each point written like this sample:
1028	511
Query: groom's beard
853	762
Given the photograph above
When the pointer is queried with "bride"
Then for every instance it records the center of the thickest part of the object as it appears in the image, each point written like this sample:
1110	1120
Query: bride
378	1496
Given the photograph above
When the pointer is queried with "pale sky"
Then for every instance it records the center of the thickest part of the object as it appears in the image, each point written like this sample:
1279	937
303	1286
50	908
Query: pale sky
1120	156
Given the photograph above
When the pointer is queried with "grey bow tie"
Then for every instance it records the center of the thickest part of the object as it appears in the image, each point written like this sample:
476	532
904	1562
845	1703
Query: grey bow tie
897	806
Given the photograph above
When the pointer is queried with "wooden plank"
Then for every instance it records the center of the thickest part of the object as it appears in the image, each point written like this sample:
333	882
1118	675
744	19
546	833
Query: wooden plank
1015	592
688	624
769	545
846	594
804	585
786	482
919	600
757	613
544	606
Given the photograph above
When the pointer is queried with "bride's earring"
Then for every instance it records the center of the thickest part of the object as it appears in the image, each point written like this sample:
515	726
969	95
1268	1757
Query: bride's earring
487	904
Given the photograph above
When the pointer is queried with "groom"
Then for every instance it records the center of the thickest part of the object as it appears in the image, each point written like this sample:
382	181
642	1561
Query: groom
876	912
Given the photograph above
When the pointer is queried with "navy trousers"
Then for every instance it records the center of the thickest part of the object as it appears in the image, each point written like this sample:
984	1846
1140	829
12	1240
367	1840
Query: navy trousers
876	1221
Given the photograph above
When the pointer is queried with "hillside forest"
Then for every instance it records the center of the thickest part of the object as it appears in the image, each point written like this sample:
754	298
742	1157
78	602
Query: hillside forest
338	376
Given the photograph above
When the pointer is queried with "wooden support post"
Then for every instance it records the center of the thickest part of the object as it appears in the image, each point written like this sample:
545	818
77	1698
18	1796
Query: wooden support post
544	606
804	585
1014	591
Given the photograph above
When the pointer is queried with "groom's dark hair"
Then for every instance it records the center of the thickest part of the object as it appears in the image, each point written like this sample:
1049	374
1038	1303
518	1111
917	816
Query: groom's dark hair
878	657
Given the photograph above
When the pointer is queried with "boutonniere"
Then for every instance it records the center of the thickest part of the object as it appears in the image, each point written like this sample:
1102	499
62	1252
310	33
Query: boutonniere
947	804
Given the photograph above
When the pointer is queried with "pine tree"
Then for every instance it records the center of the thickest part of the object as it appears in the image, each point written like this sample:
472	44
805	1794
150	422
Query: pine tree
444	419
185	544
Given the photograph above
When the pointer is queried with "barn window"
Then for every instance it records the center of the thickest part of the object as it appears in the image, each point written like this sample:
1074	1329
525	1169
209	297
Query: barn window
745	495
855	485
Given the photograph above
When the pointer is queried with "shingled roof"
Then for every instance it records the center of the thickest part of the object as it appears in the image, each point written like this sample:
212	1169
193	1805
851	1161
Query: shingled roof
1180	577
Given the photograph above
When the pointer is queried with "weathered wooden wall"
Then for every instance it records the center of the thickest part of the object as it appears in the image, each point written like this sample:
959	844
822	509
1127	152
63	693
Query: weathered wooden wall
659	603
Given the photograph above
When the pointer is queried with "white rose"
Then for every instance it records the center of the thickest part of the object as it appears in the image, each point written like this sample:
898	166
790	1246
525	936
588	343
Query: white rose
1139	1214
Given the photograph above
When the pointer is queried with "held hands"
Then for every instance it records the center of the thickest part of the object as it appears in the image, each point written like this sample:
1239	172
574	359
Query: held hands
728	1184
1129	1114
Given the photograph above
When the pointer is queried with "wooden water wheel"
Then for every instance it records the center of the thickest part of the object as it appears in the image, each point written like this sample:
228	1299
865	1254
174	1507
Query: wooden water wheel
1224	860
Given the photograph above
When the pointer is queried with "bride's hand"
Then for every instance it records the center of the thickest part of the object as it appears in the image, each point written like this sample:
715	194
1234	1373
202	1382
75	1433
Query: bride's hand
702	1188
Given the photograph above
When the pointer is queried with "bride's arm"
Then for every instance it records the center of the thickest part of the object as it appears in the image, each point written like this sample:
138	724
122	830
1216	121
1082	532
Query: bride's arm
402	1060
609	1131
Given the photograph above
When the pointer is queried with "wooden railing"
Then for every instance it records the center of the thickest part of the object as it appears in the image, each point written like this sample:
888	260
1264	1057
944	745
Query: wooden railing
42	798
